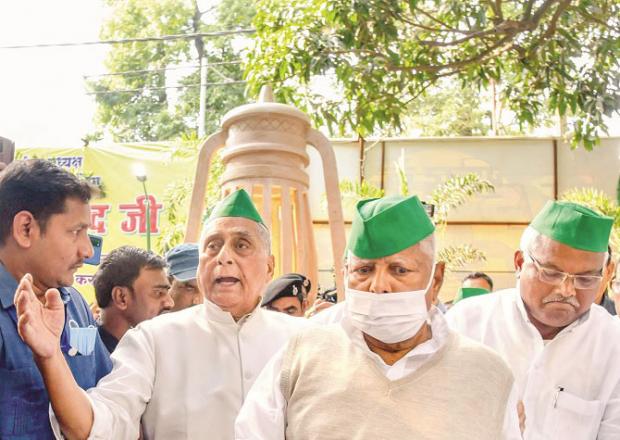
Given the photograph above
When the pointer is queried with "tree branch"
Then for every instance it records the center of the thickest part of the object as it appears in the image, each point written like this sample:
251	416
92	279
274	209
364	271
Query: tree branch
594	19
479	34
428	68
554	20
541	12
528	10
498	10
436	20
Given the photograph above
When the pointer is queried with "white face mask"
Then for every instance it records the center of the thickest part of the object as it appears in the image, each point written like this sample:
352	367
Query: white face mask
388	317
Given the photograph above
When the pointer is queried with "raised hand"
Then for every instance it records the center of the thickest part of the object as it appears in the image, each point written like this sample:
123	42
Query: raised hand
39	325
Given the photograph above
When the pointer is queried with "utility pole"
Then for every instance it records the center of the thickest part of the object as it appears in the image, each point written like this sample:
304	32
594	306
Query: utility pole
204	67
200	48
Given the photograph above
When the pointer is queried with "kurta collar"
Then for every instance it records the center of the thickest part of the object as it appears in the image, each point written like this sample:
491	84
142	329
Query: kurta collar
215	314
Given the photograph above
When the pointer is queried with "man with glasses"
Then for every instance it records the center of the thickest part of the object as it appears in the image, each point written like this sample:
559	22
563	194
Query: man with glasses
548	330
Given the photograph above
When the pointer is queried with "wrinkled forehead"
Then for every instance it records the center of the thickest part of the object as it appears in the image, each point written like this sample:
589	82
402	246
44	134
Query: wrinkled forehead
228	227
418	255
561	256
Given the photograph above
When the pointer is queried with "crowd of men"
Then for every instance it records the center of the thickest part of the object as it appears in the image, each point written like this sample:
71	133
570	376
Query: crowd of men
202	343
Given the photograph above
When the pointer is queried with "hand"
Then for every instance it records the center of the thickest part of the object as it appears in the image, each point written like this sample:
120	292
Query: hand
521	413
318	306
39	325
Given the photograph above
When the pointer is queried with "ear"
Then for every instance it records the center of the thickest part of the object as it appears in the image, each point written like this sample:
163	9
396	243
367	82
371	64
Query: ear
609	271
25	229
438	277
518	262
120	297
271	264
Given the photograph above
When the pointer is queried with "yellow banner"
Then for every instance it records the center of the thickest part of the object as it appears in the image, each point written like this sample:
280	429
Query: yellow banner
120	216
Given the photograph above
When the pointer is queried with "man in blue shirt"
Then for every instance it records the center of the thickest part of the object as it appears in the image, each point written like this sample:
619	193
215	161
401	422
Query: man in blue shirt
44	219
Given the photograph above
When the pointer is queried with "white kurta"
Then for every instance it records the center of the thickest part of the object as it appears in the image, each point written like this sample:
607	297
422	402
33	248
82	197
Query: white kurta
570	385
263	416
186	374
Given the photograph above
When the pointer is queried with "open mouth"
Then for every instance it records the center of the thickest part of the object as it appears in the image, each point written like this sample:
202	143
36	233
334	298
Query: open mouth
226	281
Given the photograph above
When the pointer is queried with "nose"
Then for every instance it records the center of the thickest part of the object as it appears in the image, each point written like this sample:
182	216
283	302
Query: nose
86	247
567	288
224	256
168	302
380	282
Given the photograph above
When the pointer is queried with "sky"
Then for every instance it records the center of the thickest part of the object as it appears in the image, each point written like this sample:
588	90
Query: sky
43	100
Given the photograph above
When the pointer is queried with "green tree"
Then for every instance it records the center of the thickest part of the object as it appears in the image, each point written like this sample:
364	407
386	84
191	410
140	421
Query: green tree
551	56
135	102
448	110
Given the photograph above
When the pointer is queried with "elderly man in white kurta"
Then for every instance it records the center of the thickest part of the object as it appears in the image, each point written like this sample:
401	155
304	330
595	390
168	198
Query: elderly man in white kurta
390	369
564	351
183	375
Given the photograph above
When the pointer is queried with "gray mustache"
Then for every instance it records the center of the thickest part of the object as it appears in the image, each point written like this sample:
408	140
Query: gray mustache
571	300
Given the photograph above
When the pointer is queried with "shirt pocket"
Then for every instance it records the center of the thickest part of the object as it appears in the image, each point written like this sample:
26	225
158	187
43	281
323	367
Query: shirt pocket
84	369
572	417
23	404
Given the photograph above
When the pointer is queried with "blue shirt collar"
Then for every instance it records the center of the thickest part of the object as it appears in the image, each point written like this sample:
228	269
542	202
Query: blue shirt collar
8	286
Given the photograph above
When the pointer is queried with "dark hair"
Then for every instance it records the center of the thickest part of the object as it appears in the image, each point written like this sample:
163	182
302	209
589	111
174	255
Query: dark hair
121	267
39	187
476	275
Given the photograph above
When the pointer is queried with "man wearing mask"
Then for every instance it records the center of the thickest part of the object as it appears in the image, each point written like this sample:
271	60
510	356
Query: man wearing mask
44	219
183	375
563	351
474	284
183	265
395	369
131	286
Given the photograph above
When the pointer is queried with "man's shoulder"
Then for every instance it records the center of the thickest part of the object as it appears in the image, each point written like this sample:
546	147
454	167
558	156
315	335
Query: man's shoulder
483	304
473	353
168	323
602	322
331	315
319	339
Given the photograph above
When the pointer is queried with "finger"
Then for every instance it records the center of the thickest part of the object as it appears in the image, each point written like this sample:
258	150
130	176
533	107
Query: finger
25	285
24	324
52	299
22	301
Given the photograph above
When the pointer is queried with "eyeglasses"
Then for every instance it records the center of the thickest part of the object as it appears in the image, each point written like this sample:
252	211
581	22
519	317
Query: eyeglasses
557	277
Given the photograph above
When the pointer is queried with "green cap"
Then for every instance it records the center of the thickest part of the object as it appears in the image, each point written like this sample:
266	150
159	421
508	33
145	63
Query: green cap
388	225
237	204
467	292
574	225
